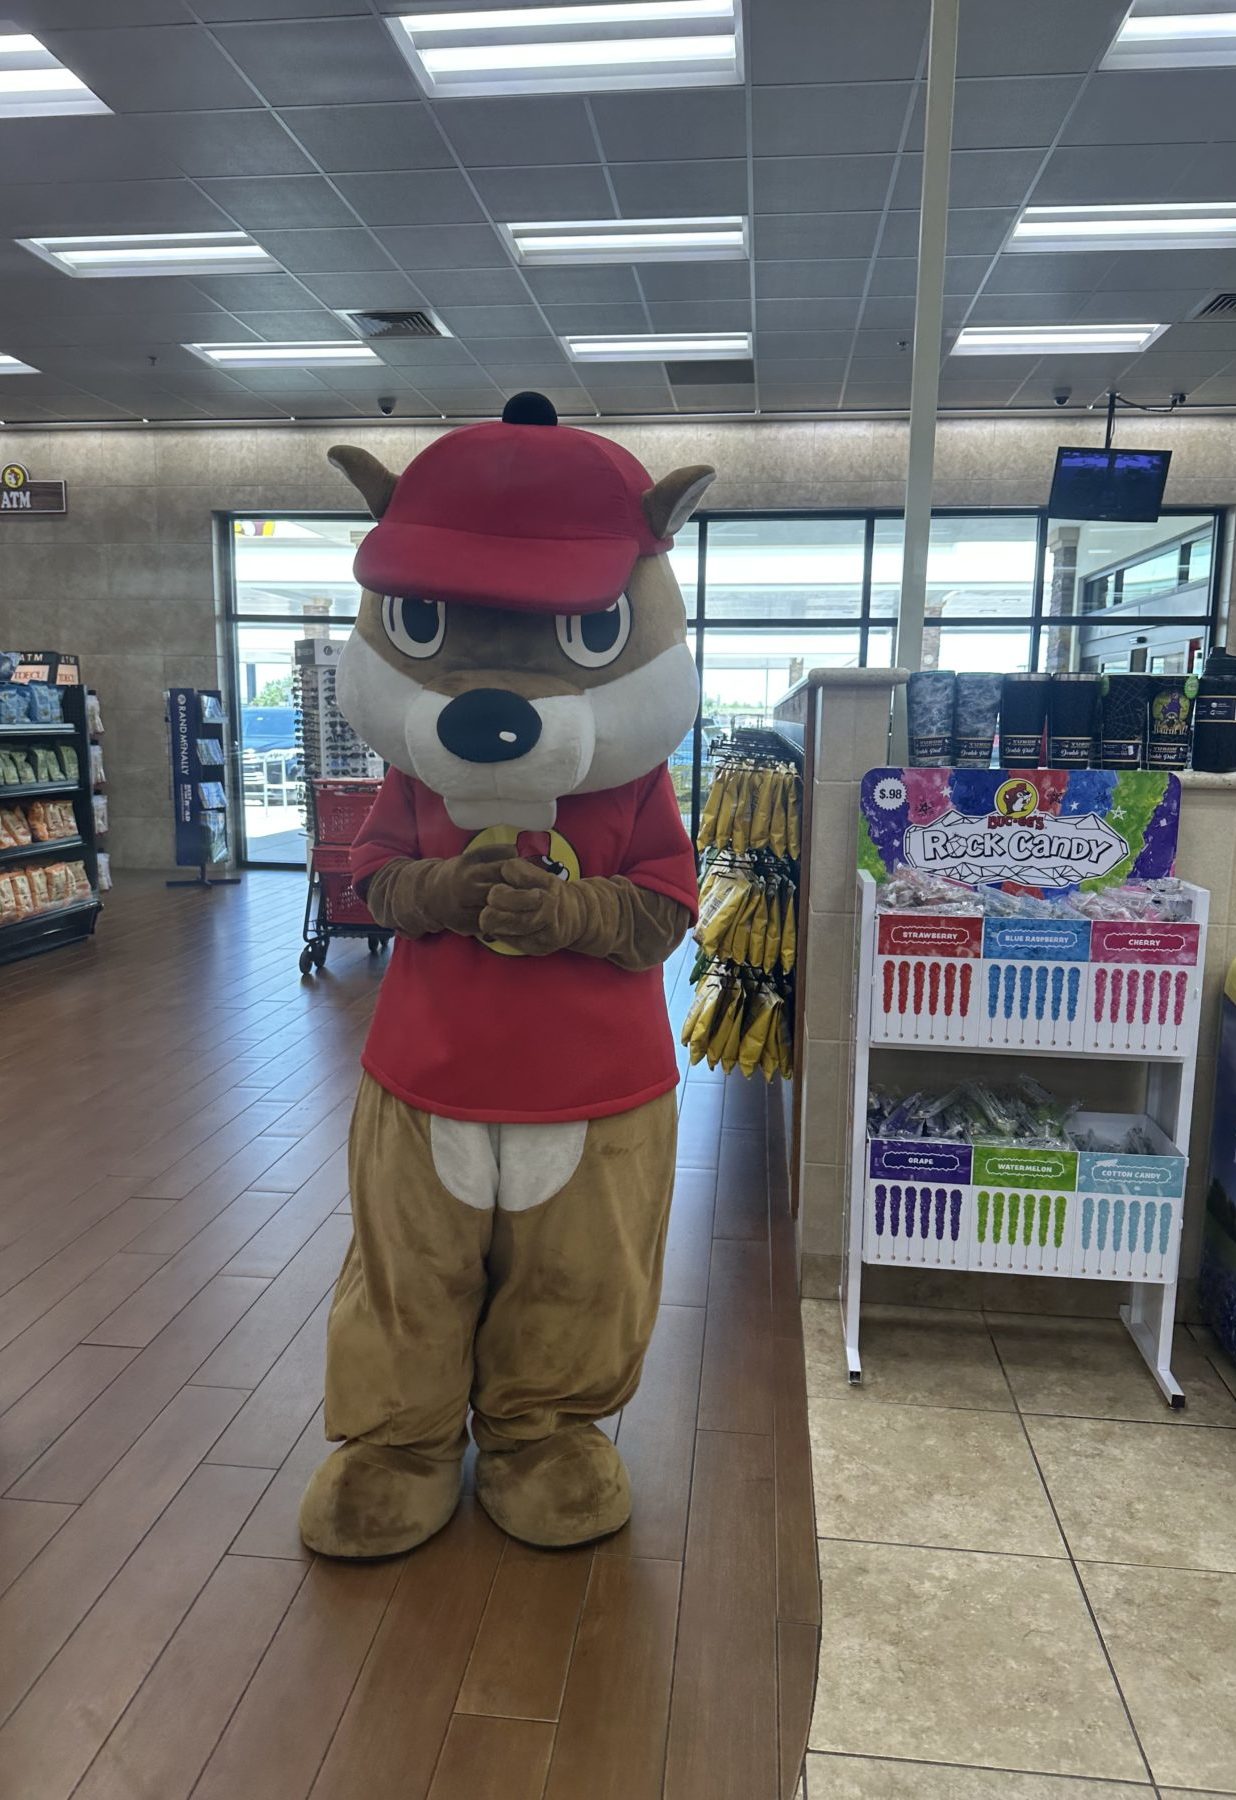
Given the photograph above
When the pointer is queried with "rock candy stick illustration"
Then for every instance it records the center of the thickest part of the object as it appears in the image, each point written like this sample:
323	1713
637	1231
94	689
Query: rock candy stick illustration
1117	994
993	997
924	1214
1118	1210
1074	992
1130	1005
1010	991
1105	1207
964	981
889	974
1014	1215
1165	995
950	988
1182	993
1147	1002
1148	1218
881	1203
1024	984
1166	1217
997	1218
1044	1224
1057	1237
911	1197
933	994
1027	1227
920	982
894	1210
1057	992
1135	1219
984	1207
1087	1225
1100	993
1040	1000
903	994
954	1218
941	1197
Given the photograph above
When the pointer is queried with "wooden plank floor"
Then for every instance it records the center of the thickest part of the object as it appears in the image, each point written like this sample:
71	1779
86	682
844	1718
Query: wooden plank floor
174	1105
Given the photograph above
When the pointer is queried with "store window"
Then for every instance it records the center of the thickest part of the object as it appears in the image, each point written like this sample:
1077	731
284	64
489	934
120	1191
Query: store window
1128	597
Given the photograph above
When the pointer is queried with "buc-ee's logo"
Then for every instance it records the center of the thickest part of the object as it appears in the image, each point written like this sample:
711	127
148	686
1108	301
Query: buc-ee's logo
1014	799
14	476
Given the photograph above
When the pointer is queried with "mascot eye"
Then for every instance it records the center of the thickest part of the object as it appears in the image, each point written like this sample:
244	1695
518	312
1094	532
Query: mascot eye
594	639
415	627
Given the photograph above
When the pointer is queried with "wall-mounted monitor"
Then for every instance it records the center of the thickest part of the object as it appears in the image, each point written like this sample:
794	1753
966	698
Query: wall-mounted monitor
1124	485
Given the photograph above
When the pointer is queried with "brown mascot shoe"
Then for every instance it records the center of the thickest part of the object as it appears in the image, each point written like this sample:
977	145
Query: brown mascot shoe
560	1490
376	1500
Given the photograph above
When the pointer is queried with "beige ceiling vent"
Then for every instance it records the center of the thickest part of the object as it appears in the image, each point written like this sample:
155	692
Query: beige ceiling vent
1219	306
407	324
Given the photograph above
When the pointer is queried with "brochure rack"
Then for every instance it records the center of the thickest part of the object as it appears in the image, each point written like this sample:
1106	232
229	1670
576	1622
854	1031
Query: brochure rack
196	723
1026	988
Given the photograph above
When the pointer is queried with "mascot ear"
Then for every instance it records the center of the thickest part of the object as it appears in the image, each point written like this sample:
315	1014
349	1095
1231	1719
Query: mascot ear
374	483
669	504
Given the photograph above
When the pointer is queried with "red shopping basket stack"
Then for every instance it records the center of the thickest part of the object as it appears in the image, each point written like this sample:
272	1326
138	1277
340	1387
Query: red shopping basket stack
340	808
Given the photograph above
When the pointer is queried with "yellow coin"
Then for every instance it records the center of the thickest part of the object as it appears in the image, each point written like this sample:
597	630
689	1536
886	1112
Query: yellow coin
560	852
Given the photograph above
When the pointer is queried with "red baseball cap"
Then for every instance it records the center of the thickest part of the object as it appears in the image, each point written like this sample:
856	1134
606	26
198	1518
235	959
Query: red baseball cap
526	517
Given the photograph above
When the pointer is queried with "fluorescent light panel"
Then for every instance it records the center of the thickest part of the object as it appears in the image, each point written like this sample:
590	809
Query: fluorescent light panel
319	354
1042	340
687	346
628	240
1172	225
1200	40
573	49
160	253
12	365
34	83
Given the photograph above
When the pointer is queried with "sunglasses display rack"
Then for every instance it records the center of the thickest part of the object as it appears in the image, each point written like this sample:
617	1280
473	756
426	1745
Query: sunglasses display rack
1029	989
328	747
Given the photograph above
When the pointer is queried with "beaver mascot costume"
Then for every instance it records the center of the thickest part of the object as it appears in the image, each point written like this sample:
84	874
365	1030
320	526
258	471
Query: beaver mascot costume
520	661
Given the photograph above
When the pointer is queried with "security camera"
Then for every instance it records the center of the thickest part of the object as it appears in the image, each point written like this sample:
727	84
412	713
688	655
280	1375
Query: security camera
386	405
1062	396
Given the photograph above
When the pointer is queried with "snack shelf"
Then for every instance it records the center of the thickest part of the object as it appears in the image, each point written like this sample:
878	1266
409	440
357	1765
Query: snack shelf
54	926
36	790
947	1212
20	852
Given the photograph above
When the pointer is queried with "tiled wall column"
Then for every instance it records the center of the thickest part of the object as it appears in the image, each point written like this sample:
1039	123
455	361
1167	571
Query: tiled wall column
849	712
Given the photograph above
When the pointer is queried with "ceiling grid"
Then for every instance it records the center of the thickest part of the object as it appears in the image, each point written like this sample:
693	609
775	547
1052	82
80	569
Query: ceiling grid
300	123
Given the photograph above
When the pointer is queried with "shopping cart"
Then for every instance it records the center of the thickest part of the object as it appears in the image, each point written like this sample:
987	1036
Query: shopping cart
333	908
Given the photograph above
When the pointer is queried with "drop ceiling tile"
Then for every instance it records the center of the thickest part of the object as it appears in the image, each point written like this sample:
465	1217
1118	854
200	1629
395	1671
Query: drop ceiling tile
250	293
1202	270
279	202
797	184
325	252
1010	112
1163	106
181	70
821	314
671	125
801	280
346	139
620	402
982	178
726	396
594	320
650	190
803	346
1007	37
472	323
415	355
514	131
555	192
296	327
454	402
700	315
898	275
430	197
1199	337
512	354
790	237
691	281
324	62
976	231
217	143
226	12
1219	391
1084	174
460	378
895	314
1048	274
377	288
833	40
1031	309
832	119
1158	304
445	247
90	148
473	287
69	15
37	210
608	284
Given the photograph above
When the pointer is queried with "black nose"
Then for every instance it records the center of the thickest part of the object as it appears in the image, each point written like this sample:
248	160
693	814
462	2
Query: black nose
489	725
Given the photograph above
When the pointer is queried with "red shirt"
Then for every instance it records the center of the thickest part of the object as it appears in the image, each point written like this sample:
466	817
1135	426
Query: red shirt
464	1030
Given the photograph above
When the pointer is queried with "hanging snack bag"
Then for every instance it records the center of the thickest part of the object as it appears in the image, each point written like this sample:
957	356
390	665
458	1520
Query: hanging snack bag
789	934
761	809
94	718
707	836
761	1014
99	803
772	937
97	776
793	817
105	871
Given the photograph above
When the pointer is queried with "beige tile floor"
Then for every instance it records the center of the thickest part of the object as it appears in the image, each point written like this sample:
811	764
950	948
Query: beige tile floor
1028	1563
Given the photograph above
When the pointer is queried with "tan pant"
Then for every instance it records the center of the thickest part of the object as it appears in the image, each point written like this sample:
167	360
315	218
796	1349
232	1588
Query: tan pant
537	1312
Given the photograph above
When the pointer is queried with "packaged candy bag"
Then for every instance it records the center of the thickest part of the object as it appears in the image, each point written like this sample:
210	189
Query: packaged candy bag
14	827
21	894
36	814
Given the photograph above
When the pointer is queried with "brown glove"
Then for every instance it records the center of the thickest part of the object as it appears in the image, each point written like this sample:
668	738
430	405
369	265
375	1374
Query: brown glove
611	918
421	896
